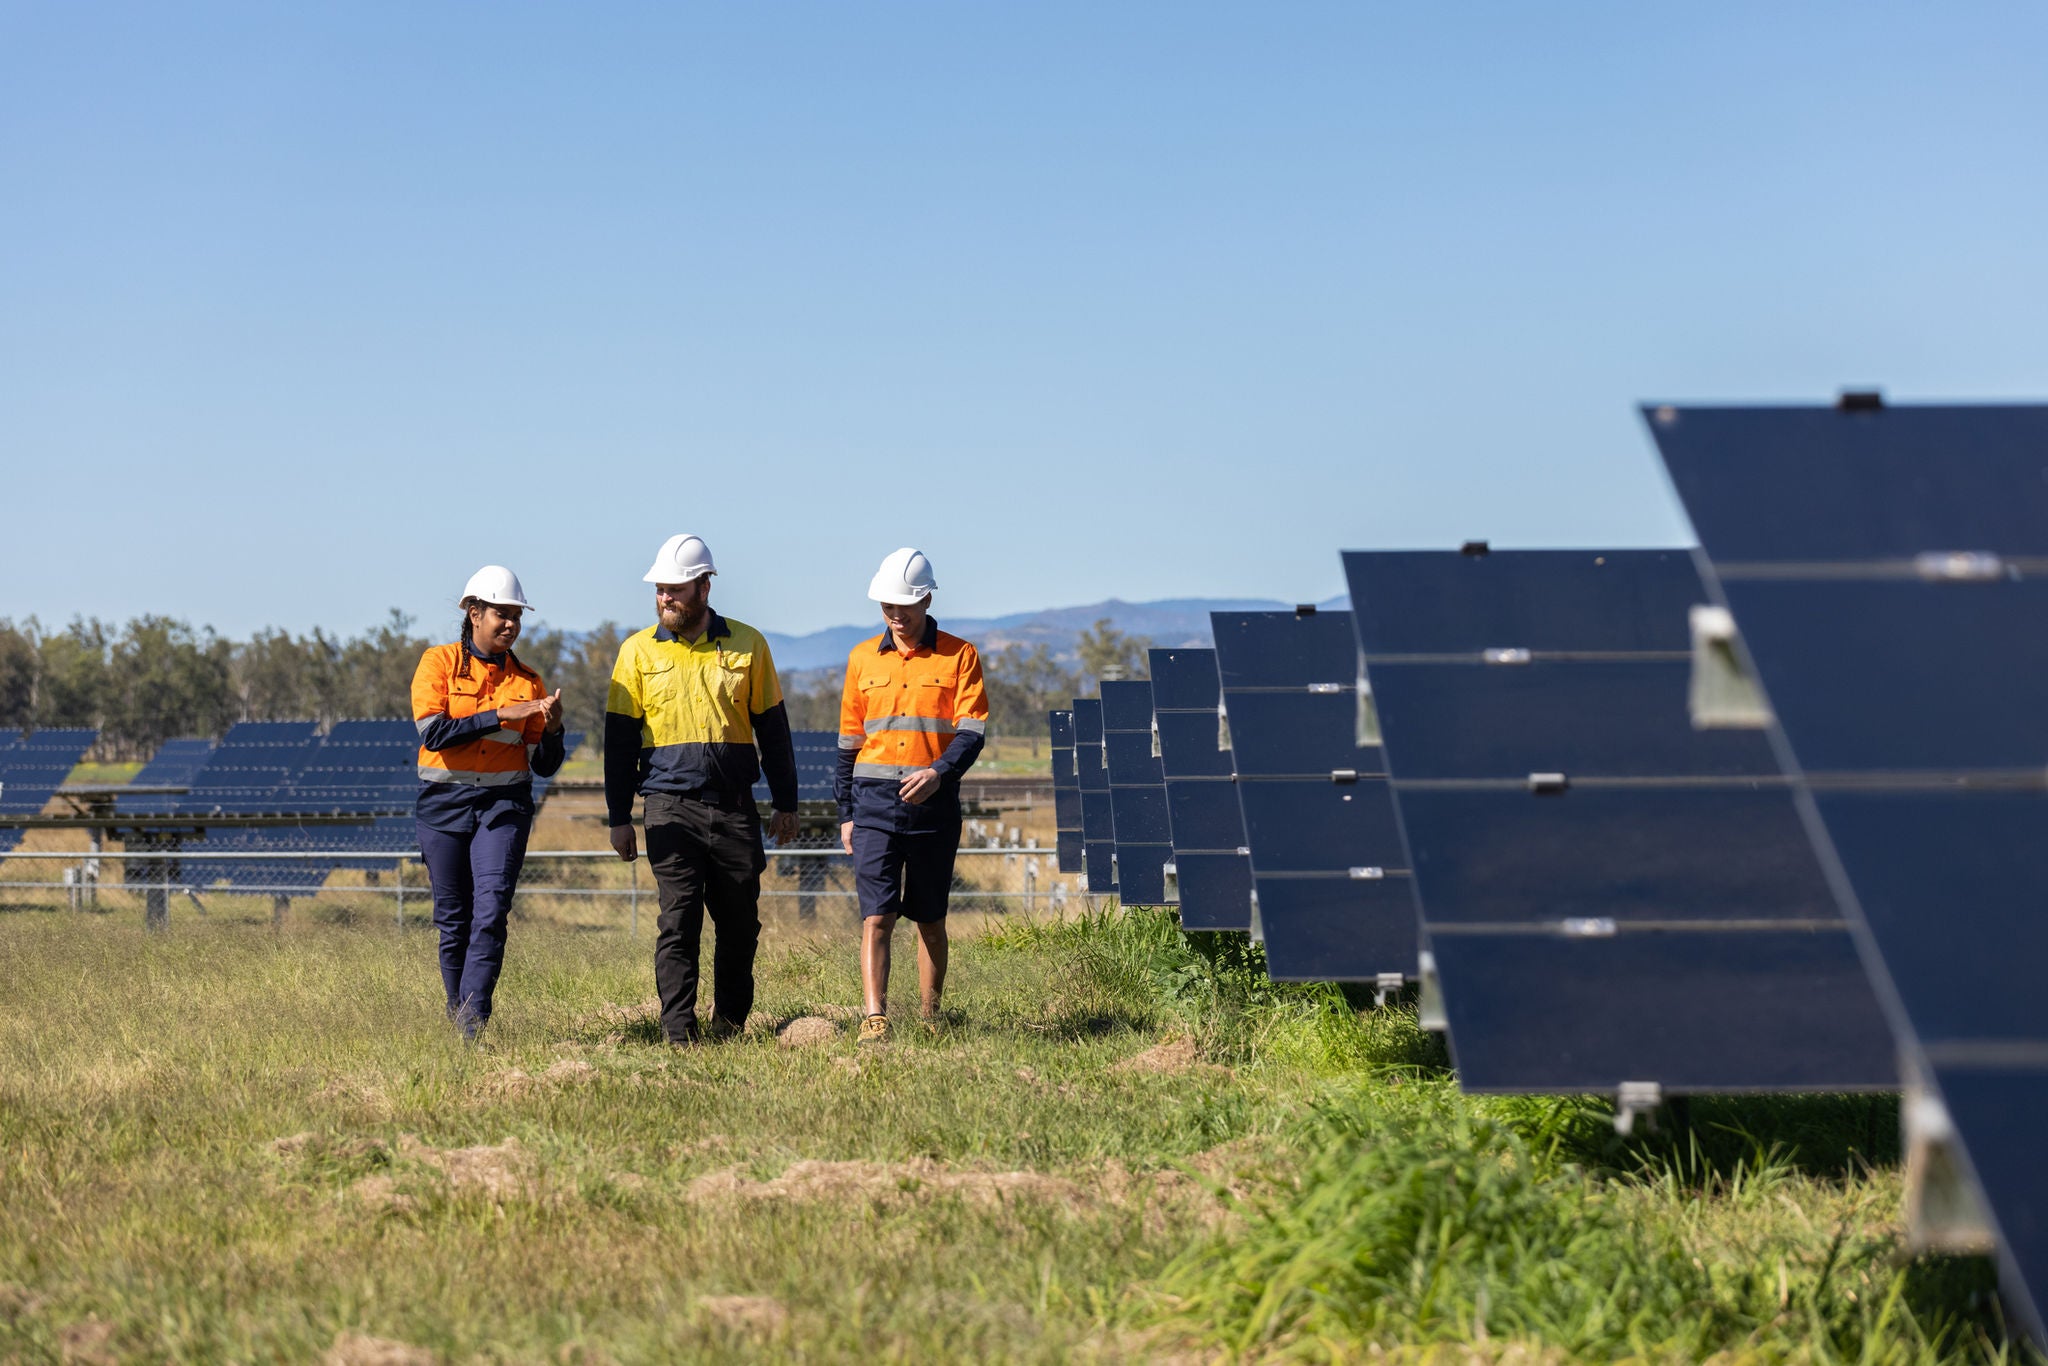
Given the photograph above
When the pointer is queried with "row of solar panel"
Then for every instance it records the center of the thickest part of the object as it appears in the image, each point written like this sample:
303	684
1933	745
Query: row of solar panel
33	767
1541	782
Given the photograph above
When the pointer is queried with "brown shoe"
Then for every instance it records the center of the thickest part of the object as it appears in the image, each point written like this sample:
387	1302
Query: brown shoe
874	1029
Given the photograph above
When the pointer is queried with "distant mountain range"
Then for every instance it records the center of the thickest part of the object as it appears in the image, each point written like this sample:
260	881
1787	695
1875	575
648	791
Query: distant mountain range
1169	622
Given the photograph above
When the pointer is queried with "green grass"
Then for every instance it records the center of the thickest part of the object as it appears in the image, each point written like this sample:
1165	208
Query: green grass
1308	1185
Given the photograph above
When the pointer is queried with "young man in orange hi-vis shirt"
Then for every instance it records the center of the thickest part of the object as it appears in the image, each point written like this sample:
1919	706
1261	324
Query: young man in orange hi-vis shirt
911	721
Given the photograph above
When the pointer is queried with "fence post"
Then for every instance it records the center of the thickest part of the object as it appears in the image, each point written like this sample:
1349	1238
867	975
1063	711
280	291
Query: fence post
635	930
398	877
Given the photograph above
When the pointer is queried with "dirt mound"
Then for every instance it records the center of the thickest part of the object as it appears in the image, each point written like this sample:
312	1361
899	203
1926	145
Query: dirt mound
884	1183
514	1084
381	1193
1169	1055
760	1315
806	1031
361	1094
500	1172
615	1024
88	1342
360	1349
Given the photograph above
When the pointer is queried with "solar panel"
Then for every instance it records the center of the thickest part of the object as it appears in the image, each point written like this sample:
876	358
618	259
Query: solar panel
1098	822
1212	873
1327	868
1066	793
1885	569
1137	794
1582	854
33	767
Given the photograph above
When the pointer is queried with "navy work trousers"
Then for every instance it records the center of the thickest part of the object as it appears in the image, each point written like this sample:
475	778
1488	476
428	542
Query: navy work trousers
706	855
474	876
906	875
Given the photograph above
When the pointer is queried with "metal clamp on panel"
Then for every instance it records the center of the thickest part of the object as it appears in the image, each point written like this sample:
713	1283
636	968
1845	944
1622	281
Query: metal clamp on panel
1327	689
1509	654
1587	927
1959	566
1633	1099
1222	727
1387	984
1343	775
1547	784
1170	881
1367	874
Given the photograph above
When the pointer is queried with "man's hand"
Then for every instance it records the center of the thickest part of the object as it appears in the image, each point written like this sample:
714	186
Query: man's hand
846	836
624	844
919	785
782	826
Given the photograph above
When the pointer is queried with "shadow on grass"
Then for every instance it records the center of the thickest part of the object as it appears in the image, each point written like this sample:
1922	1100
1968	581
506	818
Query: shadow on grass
1710	1139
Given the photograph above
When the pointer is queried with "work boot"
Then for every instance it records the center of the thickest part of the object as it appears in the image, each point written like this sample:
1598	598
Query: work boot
722	1029
874	1029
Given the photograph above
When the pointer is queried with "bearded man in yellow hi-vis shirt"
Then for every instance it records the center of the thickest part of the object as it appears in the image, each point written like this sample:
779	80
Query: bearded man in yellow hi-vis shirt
692	700
912	720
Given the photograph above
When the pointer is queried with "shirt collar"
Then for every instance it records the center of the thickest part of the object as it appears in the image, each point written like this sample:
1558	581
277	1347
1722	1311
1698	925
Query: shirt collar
930	639
715	628
474	653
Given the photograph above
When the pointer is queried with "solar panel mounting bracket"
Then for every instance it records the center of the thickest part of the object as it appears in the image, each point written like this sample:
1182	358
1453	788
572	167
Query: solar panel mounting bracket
1944	1212
1343	775
1367	874
1386	985
1429	1007
1326	689
1587	927
1633	1099
1506	654
1548	784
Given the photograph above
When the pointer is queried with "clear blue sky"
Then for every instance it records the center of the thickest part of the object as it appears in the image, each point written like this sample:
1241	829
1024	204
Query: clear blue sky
307	310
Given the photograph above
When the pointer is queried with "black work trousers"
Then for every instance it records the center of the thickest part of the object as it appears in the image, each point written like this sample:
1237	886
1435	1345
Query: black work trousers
704	856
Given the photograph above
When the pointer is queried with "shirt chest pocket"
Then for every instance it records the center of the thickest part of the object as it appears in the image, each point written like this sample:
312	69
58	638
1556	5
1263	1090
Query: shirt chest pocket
658	685
728	679
465	696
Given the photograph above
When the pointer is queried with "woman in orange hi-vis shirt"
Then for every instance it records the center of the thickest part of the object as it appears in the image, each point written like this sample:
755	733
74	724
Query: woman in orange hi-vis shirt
487	725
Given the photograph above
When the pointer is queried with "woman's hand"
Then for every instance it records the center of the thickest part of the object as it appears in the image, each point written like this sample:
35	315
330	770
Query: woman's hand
846	836
519	711
552	708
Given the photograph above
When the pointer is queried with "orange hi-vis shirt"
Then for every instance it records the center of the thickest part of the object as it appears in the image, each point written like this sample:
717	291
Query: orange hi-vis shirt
461	741
903	712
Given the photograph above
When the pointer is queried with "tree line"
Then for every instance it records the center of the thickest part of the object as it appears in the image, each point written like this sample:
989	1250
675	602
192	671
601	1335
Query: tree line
155	678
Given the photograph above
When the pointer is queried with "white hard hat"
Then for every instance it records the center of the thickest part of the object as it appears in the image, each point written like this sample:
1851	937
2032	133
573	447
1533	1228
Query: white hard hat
495	584
681	558
905	577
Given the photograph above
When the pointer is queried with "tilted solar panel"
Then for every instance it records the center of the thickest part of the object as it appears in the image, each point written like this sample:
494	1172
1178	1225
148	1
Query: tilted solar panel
1567	824
1098	822
1212	869
1887	571
1137	794
1328	871
1066	793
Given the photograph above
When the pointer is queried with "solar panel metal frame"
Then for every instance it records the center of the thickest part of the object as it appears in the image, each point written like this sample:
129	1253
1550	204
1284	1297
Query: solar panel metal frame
1917	537
1290	702
1577	825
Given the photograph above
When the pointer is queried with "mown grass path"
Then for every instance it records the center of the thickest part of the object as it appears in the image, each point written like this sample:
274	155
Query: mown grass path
232	1144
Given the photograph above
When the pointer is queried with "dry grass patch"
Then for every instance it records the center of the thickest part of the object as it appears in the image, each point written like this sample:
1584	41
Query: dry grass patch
360	1349
1171	1056
754	1315
806	1031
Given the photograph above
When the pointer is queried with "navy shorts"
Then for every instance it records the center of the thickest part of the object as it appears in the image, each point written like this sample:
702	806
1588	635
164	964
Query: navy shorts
906	875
